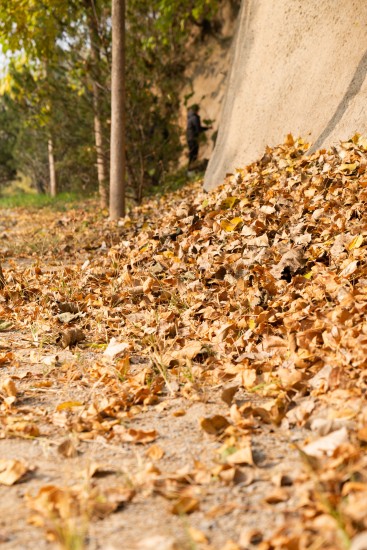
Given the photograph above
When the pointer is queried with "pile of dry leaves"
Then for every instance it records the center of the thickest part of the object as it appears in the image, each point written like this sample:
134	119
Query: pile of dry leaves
253	296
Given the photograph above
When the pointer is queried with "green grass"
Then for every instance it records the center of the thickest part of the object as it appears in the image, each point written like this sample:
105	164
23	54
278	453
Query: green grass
63	201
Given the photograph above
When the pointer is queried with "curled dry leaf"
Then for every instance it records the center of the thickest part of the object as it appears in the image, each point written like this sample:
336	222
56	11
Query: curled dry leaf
68	317
115	348
70	337
135	436
155	452
228	394
110	500
9	387
24	429
7	358
250	536
278	495
11	471
185	505
67	449
327	444
214	425
68	307
242	456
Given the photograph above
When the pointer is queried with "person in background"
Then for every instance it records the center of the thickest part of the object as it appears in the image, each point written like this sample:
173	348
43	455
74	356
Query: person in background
193	131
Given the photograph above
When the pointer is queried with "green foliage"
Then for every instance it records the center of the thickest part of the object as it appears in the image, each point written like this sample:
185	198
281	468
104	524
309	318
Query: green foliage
59	49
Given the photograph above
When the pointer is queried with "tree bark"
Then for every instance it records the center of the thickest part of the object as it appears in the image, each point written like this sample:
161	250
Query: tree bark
51	165
98	128
98	136
2	279
118	140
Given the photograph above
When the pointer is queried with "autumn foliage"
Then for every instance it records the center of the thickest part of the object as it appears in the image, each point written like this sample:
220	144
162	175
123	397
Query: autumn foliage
248	302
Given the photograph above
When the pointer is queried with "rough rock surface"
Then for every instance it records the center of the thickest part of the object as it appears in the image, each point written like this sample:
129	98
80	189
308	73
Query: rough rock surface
298	66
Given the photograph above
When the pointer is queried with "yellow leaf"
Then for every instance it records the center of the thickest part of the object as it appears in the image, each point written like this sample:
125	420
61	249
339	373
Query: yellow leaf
68	405
230	225
349	167
197	536
356	242
229	202
308	275
251	324
244	202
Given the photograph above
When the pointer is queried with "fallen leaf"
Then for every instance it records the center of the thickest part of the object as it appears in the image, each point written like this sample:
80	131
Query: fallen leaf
356	242
228	394
230	225
67	449
276	496
135	436
9	387
115	348
242	456
185	505
214	425
155	452
70	337
68	405
11	471
327	444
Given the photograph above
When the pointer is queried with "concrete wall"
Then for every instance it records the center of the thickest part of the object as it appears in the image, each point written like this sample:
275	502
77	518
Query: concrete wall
297	66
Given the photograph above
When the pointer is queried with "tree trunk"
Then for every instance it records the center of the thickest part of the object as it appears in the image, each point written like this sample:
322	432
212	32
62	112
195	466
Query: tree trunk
51	165
118	161
98	128
2	279
98	136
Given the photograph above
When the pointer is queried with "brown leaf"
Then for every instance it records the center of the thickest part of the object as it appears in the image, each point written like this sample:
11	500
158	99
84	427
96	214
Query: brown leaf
135	436
70	337
155	452
11	471
214	425
276	496
185	505
242	456
9	387
67	449
228	394
250	536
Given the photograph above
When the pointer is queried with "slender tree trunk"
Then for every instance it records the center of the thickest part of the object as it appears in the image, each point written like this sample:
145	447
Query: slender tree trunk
2	279
51	165
98	128
101	162
118	158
